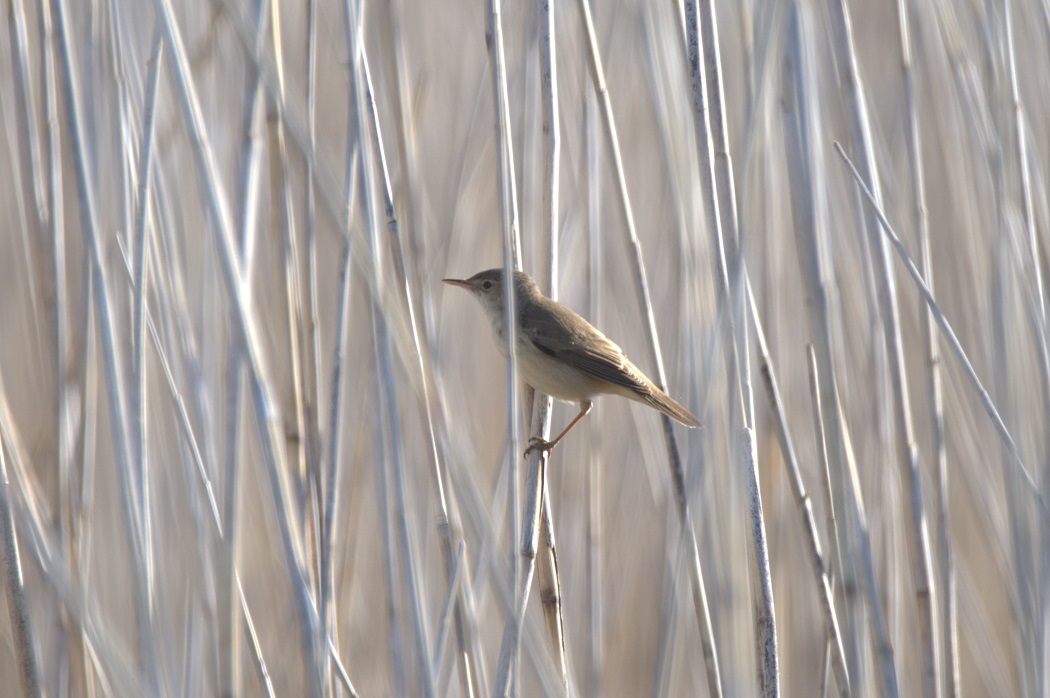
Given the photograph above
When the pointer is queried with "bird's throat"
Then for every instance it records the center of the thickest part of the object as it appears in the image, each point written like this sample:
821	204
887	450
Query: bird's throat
497	323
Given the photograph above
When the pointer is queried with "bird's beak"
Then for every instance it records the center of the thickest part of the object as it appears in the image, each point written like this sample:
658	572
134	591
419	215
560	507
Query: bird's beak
456	282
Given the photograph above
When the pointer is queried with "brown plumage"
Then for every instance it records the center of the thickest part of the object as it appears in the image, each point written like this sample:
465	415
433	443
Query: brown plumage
563	355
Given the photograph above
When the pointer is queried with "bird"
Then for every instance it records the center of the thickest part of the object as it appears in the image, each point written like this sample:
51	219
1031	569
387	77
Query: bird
562	355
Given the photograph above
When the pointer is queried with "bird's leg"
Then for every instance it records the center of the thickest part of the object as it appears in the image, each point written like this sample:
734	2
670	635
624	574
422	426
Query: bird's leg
538	444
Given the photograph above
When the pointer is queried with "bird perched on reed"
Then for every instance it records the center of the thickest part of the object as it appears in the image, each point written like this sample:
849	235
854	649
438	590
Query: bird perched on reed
563	355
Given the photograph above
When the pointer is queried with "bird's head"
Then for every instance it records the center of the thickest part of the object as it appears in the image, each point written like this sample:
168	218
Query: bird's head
487	287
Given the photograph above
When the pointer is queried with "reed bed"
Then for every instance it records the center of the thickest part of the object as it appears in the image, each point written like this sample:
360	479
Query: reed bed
251	445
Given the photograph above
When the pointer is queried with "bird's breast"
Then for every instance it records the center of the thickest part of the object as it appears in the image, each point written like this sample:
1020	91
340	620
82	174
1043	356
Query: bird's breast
553	377
497	332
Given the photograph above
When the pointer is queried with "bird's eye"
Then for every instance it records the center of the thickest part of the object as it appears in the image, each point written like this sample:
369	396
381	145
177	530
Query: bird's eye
487	285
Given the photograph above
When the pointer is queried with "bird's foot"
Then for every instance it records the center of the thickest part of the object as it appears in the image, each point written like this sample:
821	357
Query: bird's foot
538	444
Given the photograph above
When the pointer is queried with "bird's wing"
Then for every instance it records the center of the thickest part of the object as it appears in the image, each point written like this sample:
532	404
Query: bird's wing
587	349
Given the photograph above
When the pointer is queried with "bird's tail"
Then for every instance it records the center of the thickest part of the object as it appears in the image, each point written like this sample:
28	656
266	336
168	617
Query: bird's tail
666	404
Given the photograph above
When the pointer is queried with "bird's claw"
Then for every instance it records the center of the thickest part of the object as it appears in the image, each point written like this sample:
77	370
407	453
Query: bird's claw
538	444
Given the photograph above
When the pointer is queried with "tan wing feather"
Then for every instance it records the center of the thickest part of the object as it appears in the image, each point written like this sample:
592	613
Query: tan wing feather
582	346
590	351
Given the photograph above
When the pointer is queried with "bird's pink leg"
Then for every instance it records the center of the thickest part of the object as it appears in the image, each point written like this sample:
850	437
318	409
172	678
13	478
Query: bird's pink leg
538	444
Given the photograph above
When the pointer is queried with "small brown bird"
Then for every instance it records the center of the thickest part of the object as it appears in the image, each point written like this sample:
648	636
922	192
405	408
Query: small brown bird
563	355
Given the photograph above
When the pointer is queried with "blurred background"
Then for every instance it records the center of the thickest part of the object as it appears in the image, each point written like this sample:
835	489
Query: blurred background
253	446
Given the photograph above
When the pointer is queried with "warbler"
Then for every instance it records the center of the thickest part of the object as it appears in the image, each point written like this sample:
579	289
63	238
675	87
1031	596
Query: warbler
561	354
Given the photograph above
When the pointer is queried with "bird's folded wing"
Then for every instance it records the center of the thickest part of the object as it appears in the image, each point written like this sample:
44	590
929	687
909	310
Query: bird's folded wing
599	358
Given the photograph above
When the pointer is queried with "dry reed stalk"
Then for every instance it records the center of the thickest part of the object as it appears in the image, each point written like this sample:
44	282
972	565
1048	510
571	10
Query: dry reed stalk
634	252
230	678
335	475
833	528
311	333
394	469
507	672
283	213
886	672
550	587
129	485
451	601
185	424
247	328
109	661
14	584
1033	618
491	567
712	141
949	637
254	645
832	633
549	582
468	658
138	268
227	570
802	126
986	401
29	159
67	439
915	526
594	472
